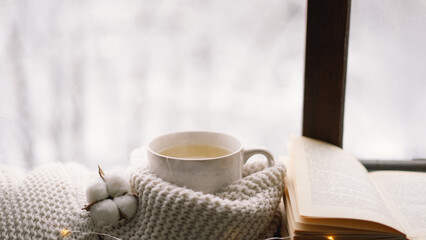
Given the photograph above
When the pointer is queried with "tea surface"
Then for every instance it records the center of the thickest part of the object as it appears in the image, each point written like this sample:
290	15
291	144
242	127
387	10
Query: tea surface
195	151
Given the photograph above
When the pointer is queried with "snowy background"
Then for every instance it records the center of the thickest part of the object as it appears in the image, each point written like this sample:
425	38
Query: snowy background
385	112
89	81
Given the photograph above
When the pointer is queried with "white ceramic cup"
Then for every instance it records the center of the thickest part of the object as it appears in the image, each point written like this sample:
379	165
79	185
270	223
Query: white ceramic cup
207	175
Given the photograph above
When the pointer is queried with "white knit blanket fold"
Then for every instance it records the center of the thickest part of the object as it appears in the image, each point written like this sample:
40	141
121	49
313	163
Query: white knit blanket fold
50	199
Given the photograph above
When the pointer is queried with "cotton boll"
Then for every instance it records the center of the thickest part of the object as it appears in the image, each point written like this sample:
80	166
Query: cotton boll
117	183
105	211
96	190
127	205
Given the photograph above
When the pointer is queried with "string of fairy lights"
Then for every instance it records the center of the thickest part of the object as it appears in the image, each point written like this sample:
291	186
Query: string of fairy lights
65	232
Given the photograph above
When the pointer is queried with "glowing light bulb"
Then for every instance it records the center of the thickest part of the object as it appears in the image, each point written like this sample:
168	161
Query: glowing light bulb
330	237
65	232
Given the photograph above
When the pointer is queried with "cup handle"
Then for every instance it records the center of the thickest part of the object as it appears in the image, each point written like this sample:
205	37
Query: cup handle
250	151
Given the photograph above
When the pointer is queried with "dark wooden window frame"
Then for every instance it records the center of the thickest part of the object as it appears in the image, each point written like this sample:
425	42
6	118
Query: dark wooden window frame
326	54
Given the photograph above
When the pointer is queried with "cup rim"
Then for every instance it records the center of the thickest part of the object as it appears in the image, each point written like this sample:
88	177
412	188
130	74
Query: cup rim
192	159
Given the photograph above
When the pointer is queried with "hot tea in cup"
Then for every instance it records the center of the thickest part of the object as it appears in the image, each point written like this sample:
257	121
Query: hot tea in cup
201	161
195	151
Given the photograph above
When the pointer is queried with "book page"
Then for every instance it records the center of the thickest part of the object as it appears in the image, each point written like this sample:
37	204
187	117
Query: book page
406	192
318	223
330	183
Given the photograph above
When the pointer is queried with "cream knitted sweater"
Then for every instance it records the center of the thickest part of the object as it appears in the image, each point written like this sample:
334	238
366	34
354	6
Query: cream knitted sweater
51	198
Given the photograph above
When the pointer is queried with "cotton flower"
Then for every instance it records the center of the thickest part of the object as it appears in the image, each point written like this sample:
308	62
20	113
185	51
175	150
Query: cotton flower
117	184
127	204
105	211
110	198
96	190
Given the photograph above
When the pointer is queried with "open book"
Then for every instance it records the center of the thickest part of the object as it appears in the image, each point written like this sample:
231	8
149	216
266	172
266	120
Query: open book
330	195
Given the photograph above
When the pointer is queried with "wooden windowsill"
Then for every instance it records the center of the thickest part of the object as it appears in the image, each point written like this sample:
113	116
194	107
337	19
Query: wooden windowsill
418	165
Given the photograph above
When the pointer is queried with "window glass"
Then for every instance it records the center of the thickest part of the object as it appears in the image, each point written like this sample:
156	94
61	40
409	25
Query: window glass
89	81
385	97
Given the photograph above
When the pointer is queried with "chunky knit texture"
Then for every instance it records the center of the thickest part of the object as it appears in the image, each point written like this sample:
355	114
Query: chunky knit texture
51	198
44	202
